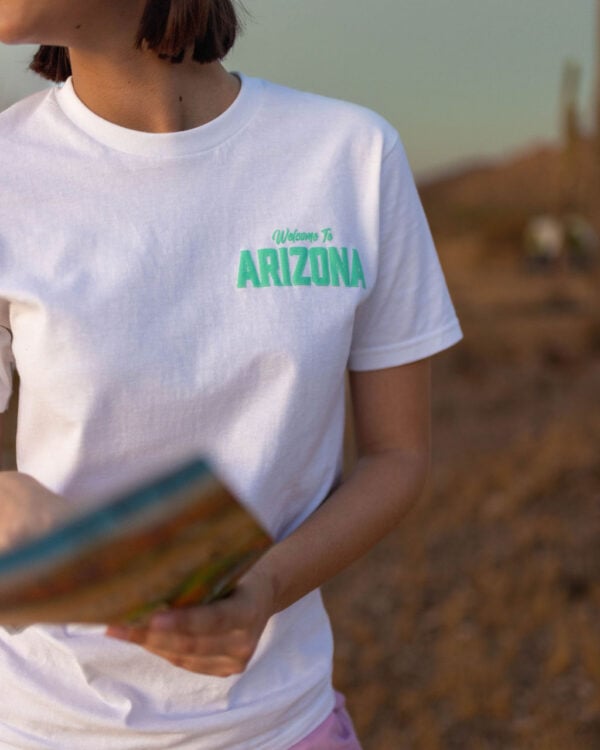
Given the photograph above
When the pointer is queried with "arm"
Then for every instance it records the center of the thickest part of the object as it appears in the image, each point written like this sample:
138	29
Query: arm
392	431
26	506
391	410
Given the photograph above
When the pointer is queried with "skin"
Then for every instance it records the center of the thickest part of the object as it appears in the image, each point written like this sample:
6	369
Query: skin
391	406
130	87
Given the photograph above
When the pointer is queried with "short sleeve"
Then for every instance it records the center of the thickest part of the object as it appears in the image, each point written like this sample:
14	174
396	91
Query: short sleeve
408	314
6	362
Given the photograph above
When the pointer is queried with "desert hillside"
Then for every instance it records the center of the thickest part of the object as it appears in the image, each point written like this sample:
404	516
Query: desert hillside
495	199
475	625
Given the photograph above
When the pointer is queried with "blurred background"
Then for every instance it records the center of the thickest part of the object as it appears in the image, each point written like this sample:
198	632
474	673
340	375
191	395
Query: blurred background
475	625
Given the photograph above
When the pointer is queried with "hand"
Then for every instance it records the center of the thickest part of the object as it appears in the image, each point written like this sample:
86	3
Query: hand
216	639
27	508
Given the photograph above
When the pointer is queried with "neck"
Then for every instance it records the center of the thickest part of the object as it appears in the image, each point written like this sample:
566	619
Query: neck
138	90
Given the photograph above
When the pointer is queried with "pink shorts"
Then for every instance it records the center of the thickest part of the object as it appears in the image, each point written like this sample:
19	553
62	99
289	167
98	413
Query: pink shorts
335	733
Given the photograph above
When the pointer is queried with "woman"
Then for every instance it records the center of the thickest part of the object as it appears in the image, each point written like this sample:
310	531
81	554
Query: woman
190	261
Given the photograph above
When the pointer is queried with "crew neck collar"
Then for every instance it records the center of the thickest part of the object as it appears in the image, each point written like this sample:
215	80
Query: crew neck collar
179	143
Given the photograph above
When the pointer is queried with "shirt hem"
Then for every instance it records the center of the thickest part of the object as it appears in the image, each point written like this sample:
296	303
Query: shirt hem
409	351
322	709
286	741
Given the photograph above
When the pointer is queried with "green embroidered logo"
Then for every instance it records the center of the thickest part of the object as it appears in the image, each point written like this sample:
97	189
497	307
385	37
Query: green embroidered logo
301	265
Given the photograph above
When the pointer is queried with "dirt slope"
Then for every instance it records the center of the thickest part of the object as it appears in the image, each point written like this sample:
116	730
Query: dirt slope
475	625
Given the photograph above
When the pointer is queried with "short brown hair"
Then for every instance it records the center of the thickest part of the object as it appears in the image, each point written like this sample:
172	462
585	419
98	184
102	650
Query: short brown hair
170	28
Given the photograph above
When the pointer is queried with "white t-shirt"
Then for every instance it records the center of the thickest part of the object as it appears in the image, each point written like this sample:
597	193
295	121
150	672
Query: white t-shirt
200	292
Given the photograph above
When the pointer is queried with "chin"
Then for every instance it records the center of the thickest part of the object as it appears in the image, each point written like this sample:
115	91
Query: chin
11	34
17	28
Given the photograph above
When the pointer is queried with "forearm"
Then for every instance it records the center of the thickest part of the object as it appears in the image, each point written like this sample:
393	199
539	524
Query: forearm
354	518
27	508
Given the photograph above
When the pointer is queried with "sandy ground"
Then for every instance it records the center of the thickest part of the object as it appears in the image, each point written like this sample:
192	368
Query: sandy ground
475	624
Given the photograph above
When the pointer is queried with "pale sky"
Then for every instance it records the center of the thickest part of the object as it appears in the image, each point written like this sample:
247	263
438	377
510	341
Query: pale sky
460	79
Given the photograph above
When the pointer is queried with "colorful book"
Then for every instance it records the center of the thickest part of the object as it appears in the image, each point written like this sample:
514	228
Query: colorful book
180	540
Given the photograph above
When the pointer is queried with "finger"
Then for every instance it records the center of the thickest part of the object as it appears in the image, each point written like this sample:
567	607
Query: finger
238	644
171	641
208	620
126	633
216	666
